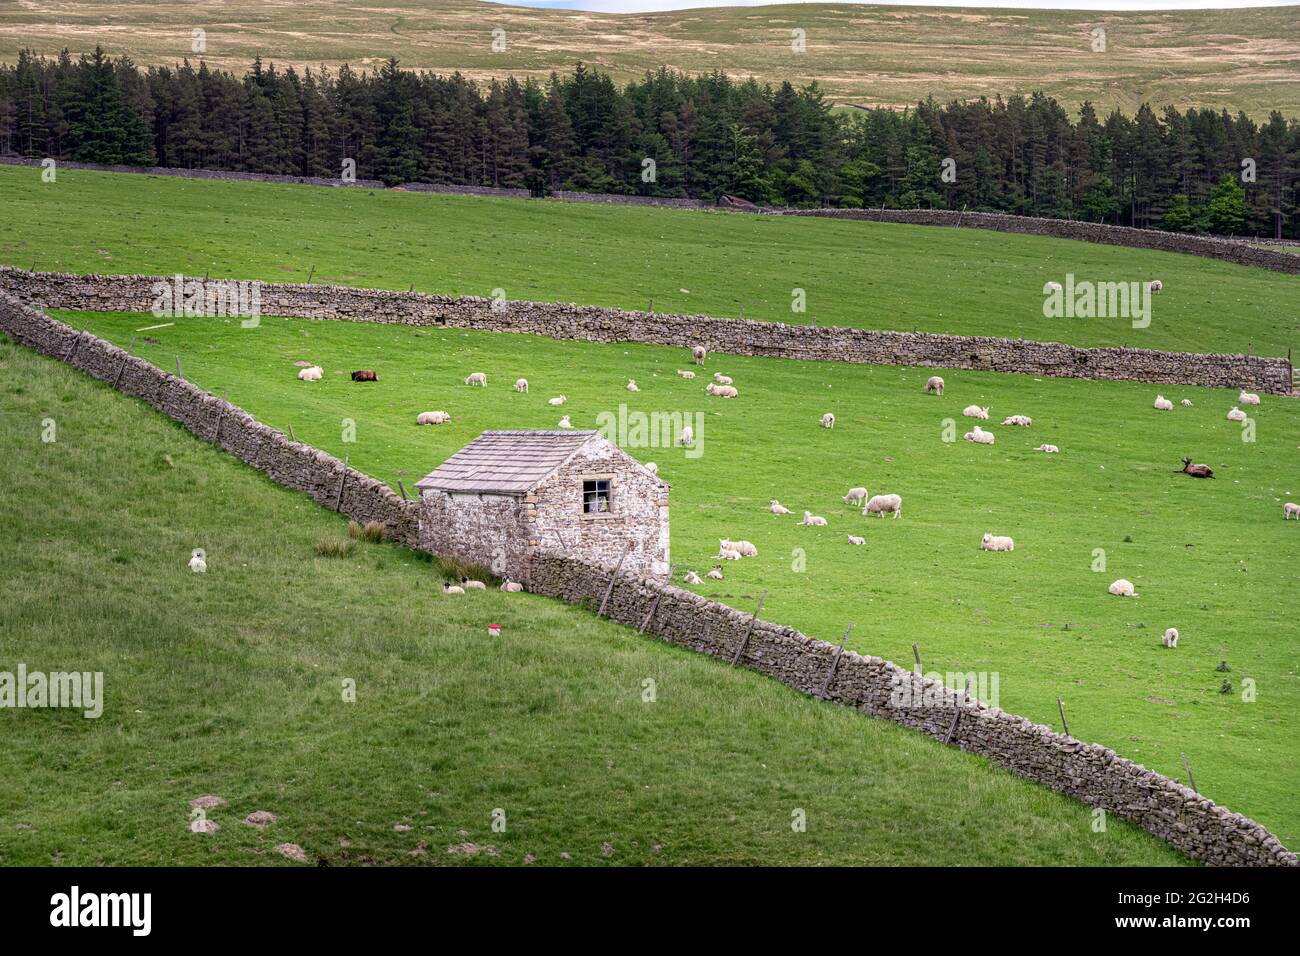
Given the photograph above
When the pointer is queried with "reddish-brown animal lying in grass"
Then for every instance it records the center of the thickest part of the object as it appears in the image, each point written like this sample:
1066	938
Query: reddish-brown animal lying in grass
1197	471
364	375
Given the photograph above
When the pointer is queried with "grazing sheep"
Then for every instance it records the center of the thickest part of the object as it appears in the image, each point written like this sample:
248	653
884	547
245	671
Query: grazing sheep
651	467
980	436
828	420
687	437
452	588
1023	421
476	378
1171	637
729	554
1052	287
699	353
934	384
1236	415
521	385
880	504
1050	449
974	411
432	418
1247	398
1197	471
311	374
746	549
364	375
1162	404
716	573
631	385
811	519
997	542
1289	509
511	587
855	496
557	400
469	584
778	508
1186	403
197	564
685	374
721	379
854	539
1155	285
565	423
722	391
692	578
1122	588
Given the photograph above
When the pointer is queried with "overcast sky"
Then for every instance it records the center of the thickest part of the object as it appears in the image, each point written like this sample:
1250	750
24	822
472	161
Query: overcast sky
641	6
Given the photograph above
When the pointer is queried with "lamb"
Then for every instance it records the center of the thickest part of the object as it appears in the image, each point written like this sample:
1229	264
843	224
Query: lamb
811	519
1247	398
1289	509
854	539
692	578
557	400
631	385
828	420
729	554
1050	449
471	585
687	437
974	411
1023	421
1186	403
879	504
685	374
1122	588
651	467
1171	637
197	564
511	587
980	436
1197	471
1155	285
364	375
476	378
721	379
934	384
1162	404
855	496
432	418
997	542
700	353
778	509
746	549
565	423
716	573
521	385
311	374
1236	415
722	391
452	588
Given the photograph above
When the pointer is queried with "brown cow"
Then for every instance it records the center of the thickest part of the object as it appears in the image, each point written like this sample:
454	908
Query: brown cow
364	375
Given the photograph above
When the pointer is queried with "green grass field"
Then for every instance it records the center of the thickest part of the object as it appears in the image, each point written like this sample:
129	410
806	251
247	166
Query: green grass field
861	54
1214	559
854	273
229	683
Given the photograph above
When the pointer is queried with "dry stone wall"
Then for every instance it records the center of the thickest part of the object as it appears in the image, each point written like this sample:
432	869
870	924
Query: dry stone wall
736	336
1096	775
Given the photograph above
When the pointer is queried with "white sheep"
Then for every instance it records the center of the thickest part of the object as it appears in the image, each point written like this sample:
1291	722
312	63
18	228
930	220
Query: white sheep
1122	588
722	391
432	418
880	504
721	379
811	519
1236	415
651	467
997	542
778	509
729	554
1050	449
1186	403
1289	509
687	436
974	411
692	578
521	385
746	549
1247	398
1155	285
311	373
557	400
855	496
511	587
854	539
1162	404
828	420
469	584
1171	637
452	588
565	423
685	374
476	378
197	563
1052	287
699	353
715	573
631	385
980	436
1022	421
934	384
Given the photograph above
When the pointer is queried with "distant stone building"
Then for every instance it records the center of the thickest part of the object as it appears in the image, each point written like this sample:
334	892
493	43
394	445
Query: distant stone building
508	495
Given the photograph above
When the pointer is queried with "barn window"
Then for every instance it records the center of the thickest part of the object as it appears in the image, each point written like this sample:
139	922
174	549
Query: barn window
595	496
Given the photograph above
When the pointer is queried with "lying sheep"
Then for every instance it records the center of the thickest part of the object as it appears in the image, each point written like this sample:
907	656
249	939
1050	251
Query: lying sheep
699	353
746	549
1162	404
469	584
1022	421
452	588
521	385
1122	588
974	411
1236	415
511	587
364	375
715	573
722	391
1155	285
1186	403
631	385
811	519
728	554
1247	398
855	496
476	378
687	436
692	578
565	423
721	379
828	420
880	504
1171	637
1289	509
557	400
778	508
685	374
997	542
311	373
934	384
432	418
1050	449
854	539
980	436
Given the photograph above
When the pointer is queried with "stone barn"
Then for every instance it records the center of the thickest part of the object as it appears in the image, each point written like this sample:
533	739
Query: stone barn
508	495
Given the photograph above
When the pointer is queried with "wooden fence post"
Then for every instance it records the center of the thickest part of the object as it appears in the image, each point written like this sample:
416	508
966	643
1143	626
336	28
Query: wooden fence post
745	640
1061	706
291	435
122	368
1188	767
402	489
338	502
220	411
612	578
835	661
917	654
76	341
654	605
179	373
952	729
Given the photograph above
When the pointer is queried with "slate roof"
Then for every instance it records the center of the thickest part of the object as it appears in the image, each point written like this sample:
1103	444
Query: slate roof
506	462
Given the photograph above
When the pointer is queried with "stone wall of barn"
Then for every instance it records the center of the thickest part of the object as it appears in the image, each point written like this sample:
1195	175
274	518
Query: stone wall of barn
735	336
638	516
1091	773
488	530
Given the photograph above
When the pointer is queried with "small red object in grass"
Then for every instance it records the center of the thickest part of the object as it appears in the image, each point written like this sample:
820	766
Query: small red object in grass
494	630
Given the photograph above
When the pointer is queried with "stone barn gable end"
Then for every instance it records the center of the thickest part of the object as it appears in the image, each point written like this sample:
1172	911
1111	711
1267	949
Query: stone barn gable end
508	496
